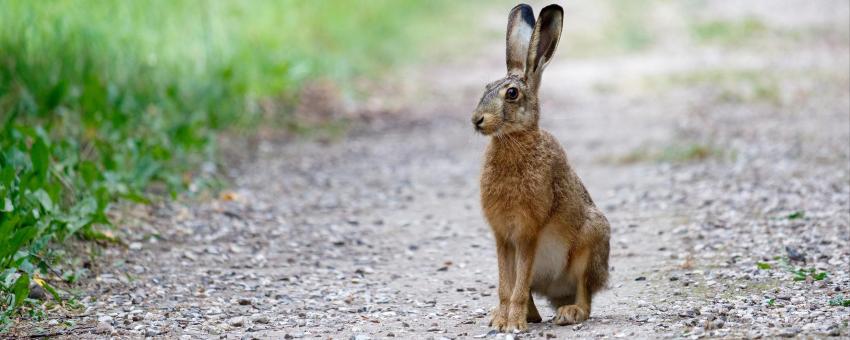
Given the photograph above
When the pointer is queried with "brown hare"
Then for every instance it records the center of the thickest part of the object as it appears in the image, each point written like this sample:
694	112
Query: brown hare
551	239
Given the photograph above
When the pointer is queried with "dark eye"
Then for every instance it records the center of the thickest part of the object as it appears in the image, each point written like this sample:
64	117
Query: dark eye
512	93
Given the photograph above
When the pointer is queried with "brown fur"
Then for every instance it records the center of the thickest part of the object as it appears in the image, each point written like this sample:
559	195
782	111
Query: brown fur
532	198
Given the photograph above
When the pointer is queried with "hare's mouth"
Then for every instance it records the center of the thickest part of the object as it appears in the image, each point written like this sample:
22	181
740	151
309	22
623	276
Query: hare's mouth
487	124
489	129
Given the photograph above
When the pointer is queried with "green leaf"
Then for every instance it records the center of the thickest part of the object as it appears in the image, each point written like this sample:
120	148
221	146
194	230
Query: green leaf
97	235
18	240
70	276
820	276
26	266
54	97
40	157
6	276
7	176
136	197
763	265
48	288
86	207
7	205
77	224
21	289
102	197
88	171
6	230
839	301
45	201
796	215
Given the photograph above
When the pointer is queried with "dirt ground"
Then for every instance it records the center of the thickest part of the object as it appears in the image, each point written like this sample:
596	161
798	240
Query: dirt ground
714	135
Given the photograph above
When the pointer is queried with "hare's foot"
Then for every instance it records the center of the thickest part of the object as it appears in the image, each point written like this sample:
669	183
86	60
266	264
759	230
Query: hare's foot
517	318
516	324
570	314
499	321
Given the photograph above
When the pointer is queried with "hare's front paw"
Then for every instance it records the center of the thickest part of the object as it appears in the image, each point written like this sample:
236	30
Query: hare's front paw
570	314
516	325
517	319
499	321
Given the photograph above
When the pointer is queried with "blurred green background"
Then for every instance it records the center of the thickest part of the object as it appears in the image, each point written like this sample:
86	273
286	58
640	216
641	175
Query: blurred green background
101	99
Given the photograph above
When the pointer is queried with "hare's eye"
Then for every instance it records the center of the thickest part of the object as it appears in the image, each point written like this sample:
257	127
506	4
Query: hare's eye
512	93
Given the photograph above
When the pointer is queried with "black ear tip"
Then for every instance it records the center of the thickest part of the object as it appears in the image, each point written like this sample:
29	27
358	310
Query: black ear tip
551	13
521	7
555	8
525	12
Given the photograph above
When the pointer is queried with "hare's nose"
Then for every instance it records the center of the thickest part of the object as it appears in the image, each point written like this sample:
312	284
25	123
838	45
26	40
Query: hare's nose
479	121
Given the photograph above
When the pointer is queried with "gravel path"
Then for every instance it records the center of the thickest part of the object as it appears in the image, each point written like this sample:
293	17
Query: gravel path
722	171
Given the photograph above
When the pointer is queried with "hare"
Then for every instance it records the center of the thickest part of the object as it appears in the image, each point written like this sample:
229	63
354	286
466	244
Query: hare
551	239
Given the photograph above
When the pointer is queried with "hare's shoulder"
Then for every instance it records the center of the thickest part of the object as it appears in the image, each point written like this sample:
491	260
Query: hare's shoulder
552	151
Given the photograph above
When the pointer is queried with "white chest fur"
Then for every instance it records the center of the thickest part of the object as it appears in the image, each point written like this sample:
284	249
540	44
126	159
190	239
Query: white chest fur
550	258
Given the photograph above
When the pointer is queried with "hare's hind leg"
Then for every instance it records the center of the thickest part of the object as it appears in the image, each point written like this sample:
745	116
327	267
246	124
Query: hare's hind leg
576	308
588	269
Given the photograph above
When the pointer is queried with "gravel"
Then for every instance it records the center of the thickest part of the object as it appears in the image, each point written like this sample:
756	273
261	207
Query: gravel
380	234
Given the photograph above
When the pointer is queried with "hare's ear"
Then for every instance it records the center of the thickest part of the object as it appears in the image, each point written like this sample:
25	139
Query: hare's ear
544	41
520	26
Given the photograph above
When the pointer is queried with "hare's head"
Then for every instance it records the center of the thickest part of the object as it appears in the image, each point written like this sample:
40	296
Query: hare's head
510	104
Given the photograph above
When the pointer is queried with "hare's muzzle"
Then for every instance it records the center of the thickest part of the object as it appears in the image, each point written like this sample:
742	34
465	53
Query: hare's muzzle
484	123
478	121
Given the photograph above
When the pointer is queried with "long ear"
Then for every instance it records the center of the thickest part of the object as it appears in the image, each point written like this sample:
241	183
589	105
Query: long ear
544	41
520	26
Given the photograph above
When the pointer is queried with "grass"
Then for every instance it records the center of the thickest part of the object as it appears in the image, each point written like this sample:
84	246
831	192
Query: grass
752	287
101	100
626	27
839	301
629	28
797	273
728	32
753	33
796	215
674	153
725	85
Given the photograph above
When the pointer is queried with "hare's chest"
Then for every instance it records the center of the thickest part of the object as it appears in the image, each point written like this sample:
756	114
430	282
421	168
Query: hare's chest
507	200
514	185
515	199
550	259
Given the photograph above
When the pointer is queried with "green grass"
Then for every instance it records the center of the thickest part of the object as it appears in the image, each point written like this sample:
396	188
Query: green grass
674	153
725	85
101	99
728	32
629	30
626	27
797	273
796	215
839	301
